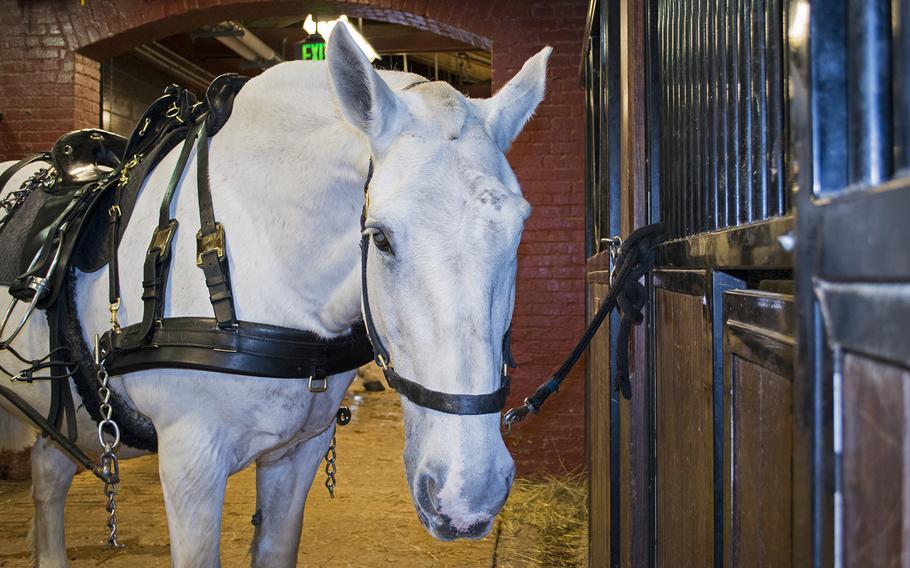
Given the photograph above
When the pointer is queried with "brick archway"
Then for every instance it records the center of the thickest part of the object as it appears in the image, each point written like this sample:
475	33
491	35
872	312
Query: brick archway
49	83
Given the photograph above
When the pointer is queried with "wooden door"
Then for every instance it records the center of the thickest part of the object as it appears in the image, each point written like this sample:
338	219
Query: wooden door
853	280
759	348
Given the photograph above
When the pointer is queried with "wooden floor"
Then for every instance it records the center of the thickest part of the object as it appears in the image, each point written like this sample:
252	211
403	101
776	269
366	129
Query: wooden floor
370	523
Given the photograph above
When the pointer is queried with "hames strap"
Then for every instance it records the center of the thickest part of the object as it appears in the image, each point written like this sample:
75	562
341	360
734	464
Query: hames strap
222	343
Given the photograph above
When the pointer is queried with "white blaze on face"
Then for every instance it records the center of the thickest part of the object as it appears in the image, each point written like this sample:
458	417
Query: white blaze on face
441	280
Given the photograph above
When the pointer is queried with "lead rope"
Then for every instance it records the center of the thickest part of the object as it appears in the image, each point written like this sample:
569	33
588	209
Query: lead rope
110	466
630	260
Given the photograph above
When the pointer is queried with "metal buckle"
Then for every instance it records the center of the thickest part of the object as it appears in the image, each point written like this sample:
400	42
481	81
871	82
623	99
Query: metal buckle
382	362
210	242
317	385
162	238
174	112
39	285
128	168
115	324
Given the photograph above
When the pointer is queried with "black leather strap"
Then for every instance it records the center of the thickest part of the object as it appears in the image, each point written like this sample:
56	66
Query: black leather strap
212	256
450	403
252	349
635	259
49	429
164	212
157	264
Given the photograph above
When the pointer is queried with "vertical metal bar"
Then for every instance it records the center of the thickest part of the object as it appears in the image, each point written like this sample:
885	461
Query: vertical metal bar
592	242
688	96
829	142
666	127
759	113
901	54
682	111
666	131
869	98
674	134
714	123
612	23
723	112
745	113
732	173
702	116
776	141
698	121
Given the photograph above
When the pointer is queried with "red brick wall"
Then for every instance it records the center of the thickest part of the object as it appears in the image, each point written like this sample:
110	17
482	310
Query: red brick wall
46	88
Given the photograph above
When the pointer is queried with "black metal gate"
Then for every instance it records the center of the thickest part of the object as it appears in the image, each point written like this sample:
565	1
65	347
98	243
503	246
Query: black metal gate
770	421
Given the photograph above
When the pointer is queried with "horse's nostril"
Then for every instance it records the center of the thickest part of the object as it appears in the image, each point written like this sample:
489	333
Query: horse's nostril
427	497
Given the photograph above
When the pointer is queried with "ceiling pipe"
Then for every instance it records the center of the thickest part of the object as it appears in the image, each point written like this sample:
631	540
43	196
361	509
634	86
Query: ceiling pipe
245	44
180	68
238	47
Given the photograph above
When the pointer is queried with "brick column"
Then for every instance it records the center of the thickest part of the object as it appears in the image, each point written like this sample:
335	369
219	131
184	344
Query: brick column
46	88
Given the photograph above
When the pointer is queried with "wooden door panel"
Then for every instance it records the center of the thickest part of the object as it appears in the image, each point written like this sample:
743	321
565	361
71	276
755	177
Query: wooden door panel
876	462
684	420
598	435
762	426
759	344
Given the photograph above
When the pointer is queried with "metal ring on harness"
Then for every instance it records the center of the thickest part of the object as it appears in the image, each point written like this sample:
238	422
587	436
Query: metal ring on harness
115	432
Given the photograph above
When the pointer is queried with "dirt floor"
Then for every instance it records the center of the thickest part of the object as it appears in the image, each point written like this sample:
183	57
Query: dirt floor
371	522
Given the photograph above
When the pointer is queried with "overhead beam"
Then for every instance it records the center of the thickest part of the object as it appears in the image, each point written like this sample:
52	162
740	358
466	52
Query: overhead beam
409	41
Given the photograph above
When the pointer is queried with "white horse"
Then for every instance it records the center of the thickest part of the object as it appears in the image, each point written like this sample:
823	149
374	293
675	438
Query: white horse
288	172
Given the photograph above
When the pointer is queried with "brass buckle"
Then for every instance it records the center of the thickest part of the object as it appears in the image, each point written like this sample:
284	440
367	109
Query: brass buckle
317	385
115	324
210	242
161	239
128	168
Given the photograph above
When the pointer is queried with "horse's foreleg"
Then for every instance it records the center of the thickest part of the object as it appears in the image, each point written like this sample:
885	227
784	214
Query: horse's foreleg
52	474
282	483
193	467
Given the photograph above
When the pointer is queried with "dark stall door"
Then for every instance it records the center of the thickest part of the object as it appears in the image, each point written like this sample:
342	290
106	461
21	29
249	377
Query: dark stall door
853	278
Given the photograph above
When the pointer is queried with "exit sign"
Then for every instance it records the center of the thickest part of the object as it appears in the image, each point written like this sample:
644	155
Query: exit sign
312	48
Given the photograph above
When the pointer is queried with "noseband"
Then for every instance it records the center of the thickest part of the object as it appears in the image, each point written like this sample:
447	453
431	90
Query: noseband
450	403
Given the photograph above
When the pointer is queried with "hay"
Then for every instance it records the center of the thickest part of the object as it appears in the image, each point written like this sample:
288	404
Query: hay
544	524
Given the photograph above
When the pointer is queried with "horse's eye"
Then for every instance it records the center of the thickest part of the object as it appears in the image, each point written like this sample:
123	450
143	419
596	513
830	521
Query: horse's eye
381	241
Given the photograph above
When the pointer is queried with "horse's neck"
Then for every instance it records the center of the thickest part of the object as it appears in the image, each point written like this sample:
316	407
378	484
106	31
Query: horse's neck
287	180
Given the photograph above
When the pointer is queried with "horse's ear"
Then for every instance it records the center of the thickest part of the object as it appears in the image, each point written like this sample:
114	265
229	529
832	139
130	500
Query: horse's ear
366	100
510	108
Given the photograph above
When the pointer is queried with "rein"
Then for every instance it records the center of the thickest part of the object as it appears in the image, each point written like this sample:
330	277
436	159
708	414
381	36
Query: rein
635	259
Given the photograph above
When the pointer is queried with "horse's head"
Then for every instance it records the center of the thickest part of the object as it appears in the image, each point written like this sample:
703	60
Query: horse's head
445	216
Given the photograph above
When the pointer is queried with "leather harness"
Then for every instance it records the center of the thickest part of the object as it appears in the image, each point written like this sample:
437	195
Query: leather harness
450	403
221	343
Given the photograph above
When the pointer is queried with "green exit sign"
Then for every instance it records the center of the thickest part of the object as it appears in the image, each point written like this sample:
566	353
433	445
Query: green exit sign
312	48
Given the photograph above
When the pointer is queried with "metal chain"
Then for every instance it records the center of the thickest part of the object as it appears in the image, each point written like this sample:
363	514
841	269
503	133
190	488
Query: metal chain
14	199
330	469
110	466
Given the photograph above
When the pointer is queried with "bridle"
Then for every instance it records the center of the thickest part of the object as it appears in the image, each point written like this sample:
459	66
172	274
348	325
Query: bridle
450	403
